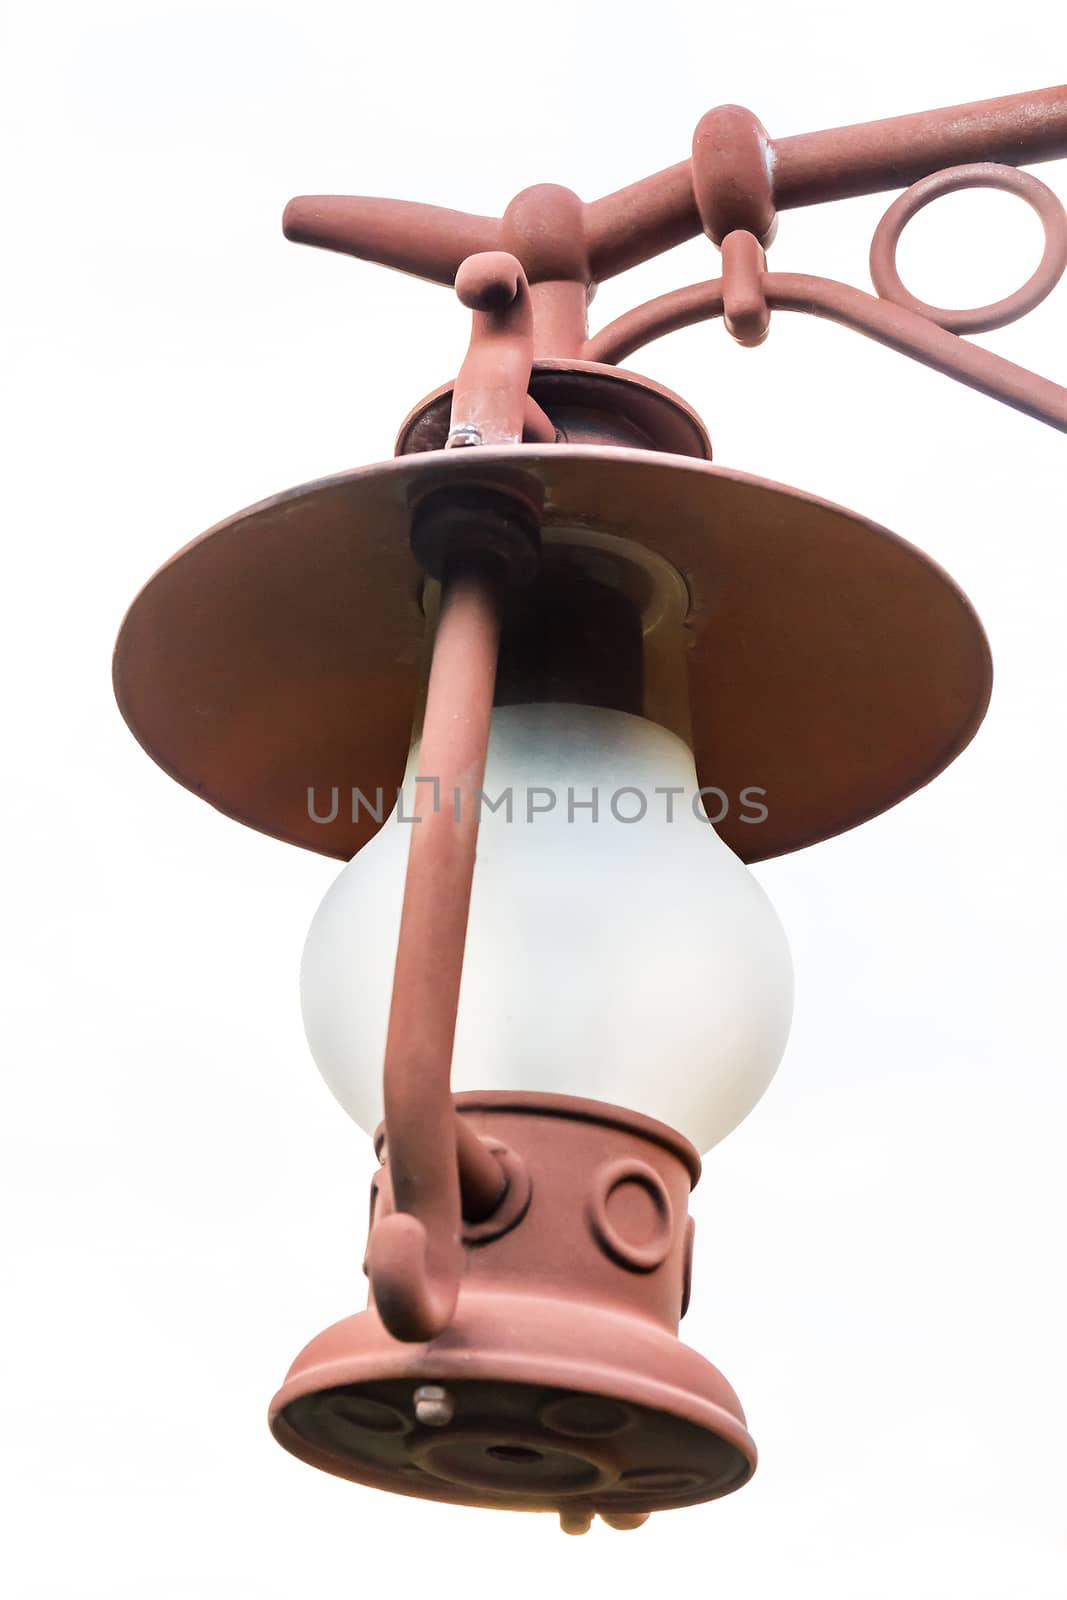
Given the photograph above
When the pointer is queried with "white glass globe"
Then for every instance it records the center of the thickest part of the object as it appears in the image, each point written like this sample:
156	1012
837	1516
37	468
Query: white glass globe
624	955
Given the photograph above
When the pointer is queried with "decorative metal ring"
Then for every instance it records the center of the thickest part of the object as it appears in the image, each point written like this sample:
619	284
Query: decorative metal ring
646	1256
554	1469
978	175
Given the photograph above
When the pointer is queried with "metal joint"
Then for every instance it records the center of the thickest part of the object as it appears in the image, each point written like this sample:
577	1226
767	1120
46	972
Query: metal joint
733	182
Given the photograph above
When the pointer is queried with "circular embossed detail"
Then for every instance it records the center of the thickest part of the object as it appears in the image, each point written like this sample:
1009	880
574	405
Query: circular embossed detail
503	1450
514	1461
626	1195
586	1416
515	1204
370	1415
661	1481
978	175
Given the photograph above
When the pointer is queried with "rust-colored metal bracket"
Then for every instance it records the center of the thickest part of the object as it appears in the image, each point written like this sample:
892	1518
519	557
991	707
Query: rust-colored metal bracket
746	293
735	182
414	1253
895	326
440	1172
490	403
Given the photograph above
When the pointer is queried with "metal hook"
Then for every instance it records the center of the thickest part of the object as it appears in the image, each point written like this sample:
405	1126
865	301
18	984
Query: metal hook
414	1255
490	402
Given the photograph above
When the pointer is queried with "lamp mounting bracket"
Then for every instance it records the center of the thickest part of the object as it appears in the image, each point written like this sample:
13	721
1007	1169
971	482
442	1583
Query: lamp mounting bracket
731	188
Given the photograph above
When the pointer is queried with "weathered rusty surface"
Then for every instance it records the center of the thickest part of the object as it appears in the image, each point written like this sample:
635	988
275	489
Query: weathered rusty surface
656	213
735	182
585	403
560	240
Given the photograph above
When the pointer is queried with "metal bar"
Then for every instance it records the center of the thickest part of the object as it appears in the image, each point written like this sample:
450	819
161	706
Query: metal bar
482	1181
489	401
871	157
894	326
427	241
637	222
905	331
414	1256
667	313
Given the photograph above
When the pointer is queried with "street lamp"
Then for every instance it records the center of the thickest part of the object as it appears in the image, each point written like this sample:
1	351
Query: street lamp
551	633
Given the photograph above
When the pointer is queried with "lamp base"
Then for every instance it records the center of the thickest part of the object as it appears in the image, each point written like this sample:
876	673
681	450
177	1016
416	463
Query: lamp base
560	1384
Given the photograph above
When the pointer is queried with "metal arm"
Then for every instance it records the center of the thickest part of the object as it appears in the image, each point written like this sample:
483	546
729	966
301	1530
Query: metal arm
439	1170
732	186
638	222
806	169
414	1252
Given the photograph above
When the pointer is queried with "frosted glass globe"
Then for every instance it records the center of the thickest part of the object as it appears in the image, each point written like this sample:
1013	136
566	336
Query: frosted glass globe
624	955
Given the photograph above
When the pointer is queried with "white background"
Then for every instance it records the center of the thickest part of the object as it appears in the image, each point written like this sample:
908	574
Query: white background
880	1247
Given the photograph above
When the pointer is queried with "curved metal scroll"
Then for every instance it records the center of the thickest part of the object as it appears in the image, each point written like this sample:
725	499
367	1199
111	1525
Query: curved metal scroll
747	292
437	1166
414	1252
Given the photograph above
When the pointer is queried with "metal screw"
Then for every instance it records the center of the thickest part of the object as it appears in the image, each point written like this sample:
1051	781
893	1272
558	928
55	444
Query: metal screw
466	434
434	1406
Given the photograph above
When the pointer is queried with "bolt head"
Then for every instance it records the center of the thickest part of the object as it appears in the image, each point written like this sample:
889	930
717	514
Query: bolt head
434	1406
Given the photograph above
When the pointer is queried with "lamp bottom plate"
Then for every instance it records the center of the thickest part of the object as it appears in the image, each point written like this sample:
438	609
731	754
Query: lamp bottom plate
574	1409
